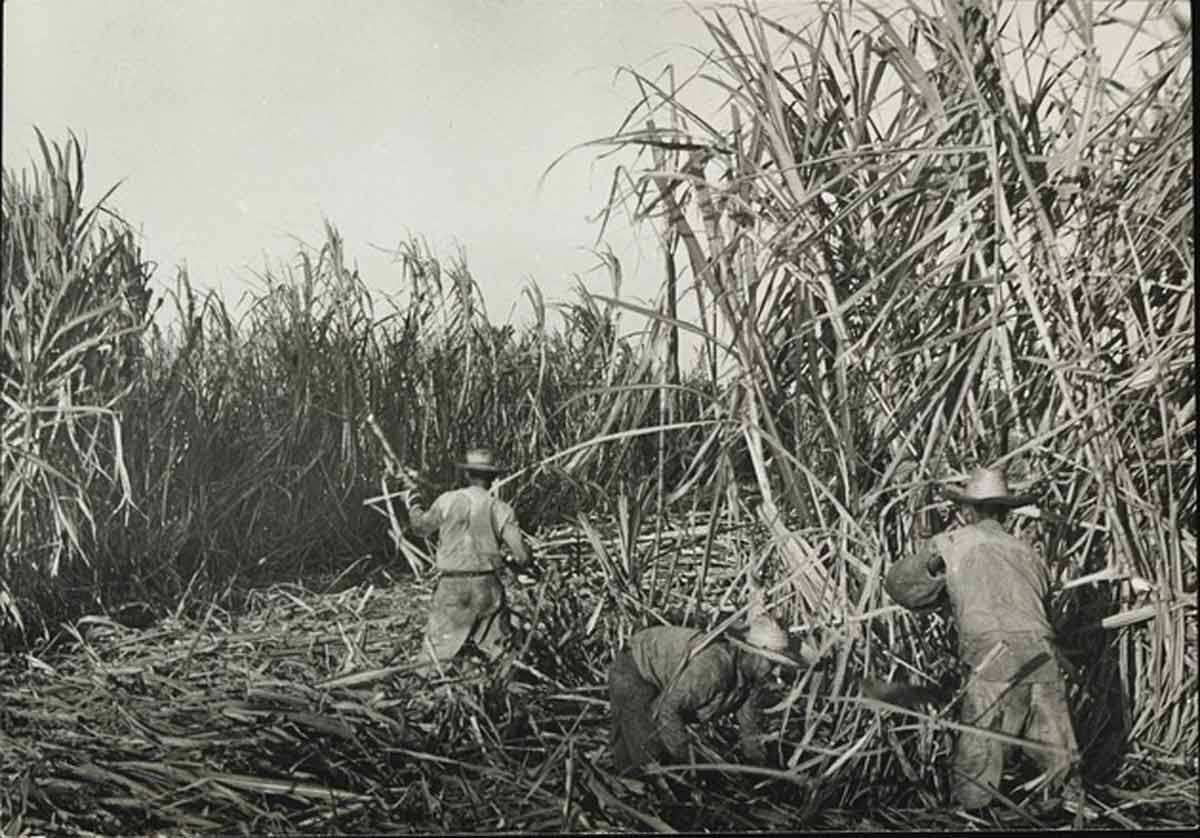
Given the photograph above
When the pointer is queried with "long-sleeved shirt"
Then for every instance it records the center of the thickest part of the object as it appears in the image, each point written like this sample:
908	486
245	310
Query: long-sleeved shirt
710	684
997	585
470	524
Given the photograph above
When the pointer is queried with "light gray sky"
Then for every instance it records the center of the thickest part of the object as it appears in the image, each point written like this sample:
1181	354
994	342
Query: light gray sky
236	125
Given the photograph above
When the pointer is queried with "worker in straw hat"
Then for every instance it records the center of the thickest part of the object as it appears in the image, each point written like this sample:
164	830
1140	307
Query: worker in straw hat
666	677
472	527
997	587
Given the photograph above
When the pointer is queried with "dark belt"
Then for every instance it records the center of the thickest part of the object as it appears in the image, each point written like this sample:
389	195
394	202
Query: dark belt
455	574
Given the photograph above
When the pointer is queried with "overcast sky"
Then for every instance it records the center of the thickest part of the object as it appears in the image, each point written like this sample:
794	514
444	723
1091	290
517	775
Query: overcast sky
236	125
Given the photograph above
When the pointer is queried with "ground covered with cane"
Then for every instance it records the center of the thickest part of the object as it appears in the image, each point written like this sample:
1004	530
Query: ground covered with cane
920	240
290	718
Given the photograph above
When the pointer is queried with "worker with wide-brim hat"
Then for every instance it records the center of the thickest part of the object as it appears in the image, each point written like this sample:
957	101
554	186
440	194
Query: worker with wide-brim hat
997	587
480	461
668	676
473	527
988	487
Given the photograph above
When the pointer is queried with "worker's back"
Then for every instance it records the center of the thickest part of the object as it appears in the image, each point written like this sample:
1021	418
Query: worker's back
705	683
998	587
469	522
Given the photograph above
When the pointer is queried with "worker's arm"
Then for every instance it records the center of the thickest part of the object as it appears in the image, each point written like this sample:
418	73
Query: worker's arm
749	730
422	522
515	539
701	683
672	724
918	579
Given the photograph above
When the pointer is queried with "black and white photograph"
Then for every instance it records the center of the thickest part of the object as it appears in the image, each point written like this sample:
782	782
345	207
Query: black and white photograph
597	417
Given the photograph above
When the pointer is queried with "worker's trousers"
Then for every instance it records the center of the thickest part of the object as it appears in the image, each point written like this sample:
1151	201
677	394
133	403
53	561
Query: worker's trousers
467	607
1037	712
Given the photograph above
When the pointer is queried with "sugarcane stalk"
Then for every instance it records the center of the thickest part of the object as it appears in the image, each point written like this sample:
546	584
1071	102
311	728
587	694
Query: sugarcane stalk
395	467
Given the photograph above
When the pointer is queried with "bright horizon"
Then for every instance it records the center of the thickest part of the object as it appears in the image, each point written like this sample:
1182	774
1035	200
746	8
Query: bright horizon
235	129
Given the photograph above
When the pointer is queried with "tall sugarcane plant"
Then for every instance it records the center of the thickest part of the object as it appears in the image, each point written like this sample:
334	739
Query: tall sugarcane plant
935	237
75	301
181	462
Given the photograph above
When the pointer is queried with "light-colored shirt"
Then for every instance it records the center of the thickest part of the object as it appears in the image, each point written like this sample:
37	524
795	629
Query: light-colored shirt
470	524
998	587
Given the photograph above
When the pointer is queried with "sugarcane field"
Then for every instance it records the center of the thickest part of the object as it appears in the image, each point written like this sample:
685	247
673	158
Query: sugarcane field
861	499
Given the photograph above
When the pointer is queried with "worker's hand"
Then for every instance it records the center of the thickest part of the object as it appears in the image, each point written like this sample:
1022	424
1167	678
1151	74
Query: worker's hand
811	653
411	498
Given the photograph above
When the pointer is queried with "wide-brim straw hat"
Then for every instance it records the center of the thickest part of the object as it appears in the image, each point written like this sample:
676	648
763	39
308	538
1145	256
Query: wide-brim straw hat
767	634
988	486
481	460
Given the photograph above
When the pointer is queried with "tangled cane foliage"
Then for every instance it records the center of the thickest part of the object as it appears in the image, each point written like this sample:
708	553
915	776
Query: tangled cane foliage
929	239
75	300
921	237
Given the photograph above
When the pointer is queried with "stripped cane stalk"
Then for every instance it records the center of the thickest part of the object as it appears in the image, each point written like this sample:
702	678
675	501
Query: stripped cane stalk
395	467
416	560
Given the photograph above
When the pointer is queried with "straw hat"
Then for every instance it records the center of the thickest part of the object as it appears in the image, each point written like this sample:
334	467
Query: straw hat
987	486
480	460
767	634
